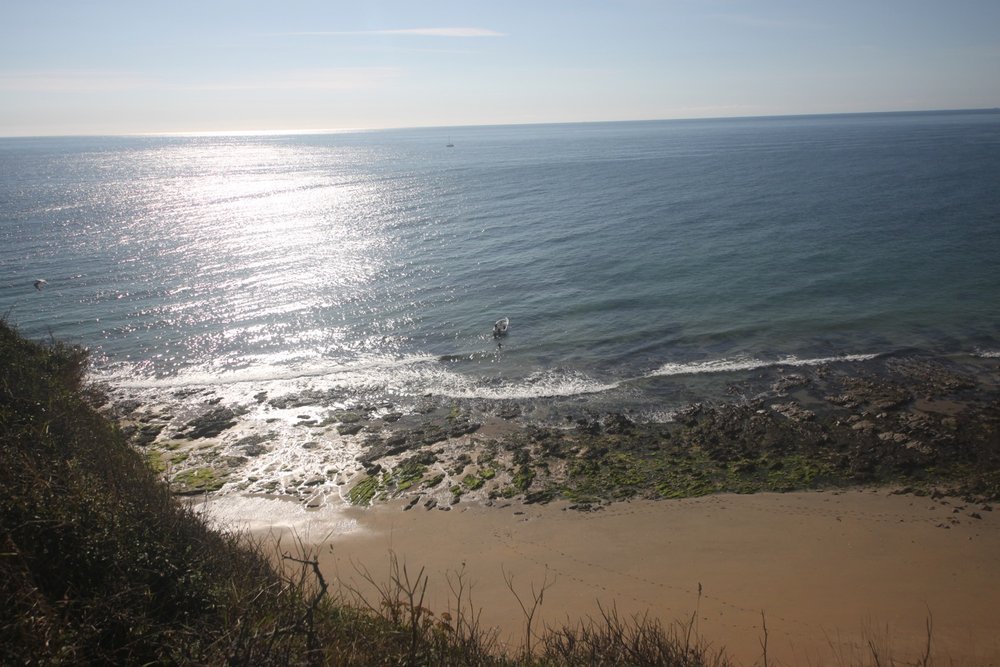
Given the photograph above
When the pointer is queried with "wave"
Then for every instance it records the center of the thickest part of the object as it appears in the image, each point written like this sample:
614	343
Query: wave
749	364
421	374
413	375
546	384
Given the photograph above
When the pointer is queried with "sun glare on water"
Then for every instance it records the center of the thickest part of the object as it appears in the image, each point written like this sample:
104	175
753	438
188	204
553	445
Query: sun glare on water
261	243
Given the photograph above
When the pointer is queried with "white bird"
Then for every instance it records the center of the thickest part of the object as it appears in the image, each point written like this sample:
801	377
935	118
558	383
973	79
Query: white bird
40	283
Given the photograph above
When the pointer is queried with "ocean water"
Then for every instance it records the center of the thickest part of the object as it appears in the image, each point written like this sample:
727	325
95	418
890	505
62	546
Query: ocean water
634	260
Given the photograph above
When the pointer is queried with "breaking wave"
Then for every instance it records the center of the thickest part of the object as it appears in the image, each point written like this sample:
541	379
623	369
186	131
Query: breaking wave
749	364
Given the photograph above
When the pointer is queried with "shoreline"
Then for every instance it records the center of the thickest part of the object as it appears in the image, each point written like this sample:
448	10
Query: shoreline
916	420
754	501
829	570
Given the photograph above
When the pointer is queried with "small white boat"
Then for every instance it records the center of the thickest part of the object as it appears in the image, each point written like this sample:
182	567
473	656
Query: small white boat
500	328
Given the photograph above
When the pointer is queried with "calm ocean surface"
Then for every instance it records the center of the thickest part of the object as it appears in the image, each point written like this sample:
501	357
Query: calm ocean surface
631	258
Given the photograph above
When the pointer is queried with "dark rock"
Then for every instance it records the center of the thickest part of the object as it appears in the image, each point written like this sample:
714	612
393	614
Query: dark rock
395	443
305	398
210	424
145	435
463	427
254	439
347	417
425	407
618	424
509	410
186	393
432	435
688	415
422	458
350	429
794	411
784	383
543	496
128	406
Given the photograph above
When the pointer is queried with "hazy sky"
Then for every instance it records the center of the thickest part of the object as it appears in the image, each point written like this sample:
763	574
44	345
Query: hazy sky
86	67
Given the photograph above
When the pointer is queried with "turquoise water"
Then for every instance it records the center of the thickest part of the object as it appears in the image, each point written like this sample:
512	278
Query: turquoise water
631	258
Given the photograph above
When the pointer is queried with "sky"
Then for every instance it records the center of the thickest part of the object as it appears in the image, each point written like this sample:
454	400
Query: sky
153	66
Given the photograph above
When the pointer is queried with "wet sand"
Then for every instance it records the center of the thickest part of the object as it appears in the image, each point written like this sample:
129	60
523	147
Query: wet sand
829	571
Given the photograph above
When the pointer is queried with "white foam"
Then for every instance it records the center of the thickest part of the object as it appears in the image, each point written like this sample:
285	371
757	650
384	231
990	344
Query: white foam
548	384
748	364
127	377
987	354
408	375
416	375
238	512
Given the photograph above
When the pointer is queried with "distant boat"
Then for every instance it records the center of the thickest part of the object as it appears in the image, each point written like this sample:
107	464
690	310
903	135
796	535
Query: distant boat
500	328
449	144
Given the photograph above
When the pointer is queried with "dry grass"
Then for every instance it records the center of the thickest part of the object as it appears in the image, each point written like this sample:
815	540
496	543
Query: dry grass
99	564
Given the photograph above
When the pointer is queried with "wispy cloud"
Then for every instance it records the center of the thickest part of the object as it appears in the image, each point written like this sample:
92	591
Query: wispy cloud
406	32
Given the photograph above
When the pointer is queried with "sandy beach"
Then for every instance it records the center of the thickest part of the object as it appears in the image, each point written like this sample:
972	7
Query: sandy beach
828	578
829	572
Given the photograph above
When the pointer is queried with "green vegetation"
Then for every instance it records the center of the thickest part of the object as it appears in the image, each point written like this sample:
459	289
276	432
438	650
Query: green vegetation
523	478
473	482
617	475
100	564
196	480
432	482
98	561
407	474
364	491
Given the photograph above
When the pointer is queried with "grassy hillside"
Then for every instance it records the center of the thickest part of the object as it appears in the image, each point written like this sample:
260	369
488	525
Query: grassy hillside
99	564
97	560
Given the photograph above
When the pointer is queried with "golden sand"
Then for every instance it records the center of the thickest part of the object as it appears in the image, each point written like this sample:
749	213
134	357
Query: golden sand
830	573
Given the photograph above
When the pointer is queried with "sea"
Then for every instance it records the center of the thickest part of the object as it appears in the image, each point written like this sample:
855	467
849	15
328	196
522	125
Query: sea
641	265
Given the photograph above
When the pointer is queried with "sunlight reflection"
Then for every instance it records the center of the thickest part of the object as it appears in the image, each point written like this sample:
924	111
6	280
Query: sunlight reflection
257	242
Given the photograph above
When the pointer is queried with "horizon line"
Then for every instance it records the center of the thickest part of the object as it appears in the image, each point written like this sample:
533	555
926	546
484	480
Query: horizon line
353	130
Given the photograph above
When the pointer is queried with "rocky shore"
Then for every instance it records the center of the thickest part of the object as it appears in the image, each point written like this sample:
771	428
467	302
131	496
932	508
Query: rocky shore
926	425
